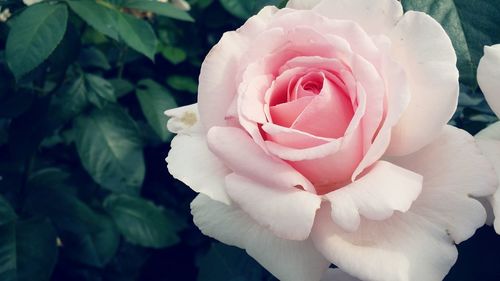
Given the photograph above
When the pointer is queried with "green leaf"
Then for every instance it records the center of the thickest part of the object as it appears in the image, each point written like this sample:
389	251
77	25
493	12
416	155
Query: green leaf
28	250
173	54
36	249
93	57
88	237
110	149
98	16
160	8
224	262
121	86
154	100
141	222
34	35
470	25
7	214
99	90
246	9
183	83
138	34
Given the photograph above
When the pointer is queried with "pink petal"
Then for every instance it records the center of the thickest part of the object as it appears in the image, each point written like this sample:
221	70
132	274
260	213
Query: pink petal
285	259
384	189
424	50
453	170
288	213
244	157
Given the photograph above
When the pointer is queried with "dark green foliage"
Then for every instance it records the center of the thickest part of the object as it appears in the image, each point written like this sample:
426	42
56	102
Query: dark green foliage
84	189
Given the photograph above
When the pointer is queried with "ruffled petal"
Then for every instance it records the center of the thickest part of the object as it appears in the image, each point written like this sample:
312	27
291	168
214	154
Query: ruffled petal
418	244
488	76
402	248
244	157
455	173
423	48
288	213
384	189
190	161
286	259
376	17
488	141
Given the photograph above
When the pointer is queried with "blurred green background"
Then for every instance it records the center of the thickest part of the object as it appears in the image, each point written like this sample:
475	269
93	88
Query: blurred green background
85	192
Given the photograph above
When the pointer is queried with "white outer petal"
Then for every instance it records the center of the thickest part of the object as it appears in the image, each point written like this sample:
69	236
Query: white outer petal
375	17
302	4
384	189
336	274
190	161
488	141
418	244
426	53
287	260
288	213
488	76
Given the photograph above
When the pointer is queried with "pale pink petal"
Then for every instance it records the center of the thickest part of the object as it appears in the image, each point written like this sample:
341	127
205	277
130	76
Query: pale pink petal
217	89
488	141
244	157
287	138
418	244
302	4
335	274
384	189
190	161
424	50
288	213
286	259
405	247
328	114
488	76
455	173
376	17
184	120
397	100
285	114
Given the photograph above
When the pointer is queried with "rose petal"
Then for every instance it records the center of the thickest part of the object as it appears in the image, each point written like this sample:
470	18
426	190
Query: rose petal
335	274
454	171
285	259
376	17
488	76
417	245
217	90
288	213
302	4
240	153
184	120
384	189
190	161
405	247
488	141
424	50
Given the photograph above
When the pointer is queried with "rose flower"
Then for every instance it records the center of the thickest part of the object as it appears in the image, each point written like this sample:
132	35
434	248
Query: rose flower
320	137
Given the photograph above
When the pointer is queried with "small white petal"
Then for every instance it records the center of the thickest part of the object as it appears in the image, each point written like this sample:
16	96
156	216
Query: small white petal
184	120
286	259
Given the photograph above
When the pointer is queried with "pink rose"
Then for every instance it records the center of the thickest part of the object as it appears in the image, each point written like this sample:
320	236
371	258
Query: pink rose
320	137
488	77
